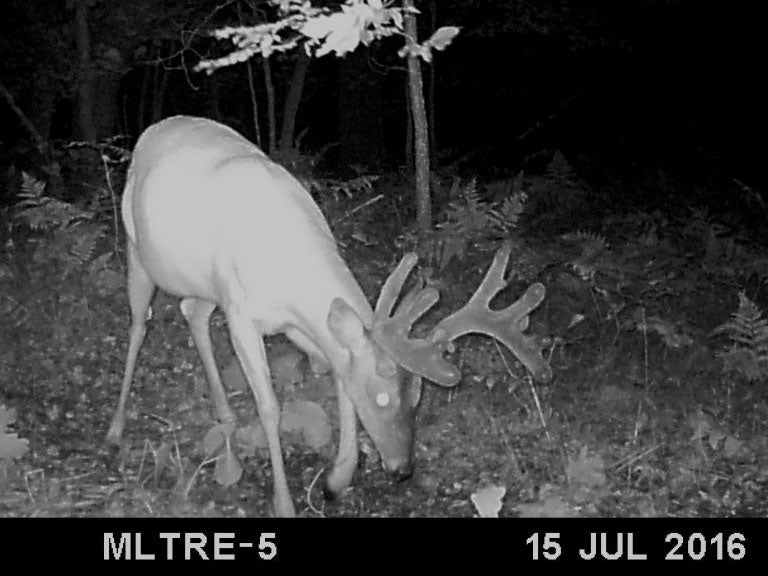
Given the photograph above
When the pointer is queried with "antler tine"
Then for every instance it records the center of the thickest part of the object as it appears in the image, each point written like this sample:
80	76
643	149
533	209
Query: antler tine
506	325
418	355
452	327
424	357
393	286
391	331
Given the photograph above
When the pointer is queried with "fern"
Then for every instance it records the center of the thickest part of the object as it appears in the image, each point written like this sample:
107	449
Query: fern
83	247
557	196
513	206
748	332
560	172
72	233
43	213
592	246
470	215
468	219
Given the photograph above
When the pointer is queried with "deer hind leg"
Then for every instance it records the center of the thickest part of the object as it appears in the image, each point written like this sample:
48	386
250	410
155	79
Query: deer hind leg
140	291
198	315
249	347
346	458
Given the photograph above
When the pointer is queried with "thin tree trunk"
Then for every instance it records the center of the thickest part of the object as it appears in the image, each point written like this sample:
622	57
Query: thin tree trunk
85	88
155	87
105	98
271	117
159	83
420	130
251	86
432	82
254	101
141	112
292	101
213	97
410	161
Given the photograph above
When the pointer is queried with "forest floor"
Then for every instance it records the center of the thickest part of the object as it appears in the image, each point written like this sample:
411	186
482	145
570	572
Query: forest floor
652	412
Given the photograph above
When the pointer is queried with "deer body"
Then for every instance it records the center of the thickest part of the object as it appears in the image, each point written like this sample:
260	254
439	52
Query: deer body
211	219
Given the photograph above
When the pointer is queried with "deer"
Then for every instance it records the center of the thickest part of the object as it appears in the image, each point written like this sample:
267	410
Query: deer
209	218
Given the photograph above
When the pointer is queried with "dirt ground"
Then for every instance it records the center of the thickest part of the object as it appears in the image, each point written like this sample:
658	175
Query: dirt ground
641	419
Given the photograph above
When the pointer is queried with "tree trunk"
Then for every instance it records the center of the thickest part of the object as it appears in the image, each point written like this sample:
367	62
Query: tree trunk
105	98
213	97
269	87
421	133
292	102
86	128
432	82
141	112
254	102
410	160
159	81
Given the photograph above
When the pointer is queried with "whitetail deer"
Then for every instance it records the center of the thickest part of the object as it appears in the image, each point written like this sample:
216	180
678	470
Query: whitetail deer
214	221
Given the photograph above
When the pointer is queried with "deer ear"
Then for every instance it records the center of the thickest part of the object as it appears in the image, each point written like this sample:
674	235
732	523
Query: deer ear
346	325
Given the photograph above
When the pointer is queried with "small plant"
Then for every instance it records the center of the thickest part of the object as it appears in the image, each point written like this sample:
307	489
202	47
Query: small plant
70	234
558	197
592	247
748	333
11	446
471	220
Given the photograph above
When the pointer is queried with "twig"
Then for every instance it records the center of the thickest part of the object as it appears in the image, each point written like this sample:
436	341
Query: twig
634	458
358	208
541	123
645	377
312	507
40	142
533	391
115	222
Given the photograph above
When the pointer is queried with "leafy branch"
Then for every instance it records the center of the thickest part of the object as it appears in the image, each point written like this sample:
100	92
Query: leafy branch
322	31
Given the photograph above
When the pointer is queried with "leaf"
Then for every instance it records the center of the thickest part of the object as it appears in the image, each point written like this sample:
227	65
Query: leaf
232	376
585	470
318	28
7	417
287	367
216	438
488	501
732	446
442	37
716	434
11	446
250	438
228	469
553	506
310	419
705	427
341	32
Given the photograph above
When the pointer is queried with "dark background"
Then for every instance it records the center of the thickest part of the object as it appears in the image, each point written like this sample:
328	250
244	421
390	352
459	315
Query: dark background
628	88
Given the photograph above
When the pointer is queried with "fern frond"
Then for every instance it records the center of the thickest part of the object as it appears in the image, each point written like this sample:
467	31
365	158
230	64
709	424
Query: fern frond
43	213
748	333
747	328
